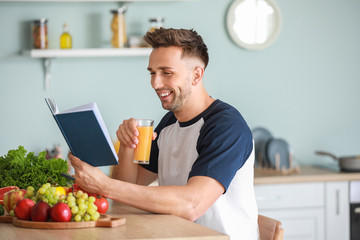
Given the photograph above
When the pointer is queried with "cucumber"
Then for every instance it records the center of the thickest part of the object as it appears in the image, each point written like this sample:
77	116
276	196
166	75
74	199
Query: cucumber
1	210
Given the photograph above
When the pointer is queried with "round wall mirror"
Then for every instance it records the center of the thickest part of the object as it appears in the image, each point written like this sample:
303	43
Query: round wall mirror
254	24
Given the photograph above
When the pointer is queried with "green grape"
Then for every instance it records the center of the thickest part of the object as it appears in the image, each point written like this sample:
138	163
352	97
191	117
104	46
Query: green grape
30	188
29	194
42	190
47	195
92	205
92	199
84	196
12	213
71	204
79	194
77	218
82	212
87	217
82	206
71	198
96	216
62	197
48	185
91	211
80	200
74	210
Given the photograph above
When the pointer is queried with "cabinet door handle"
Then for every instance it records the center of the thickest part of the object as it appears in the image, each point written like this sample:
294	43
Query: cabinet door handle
357	210
337	202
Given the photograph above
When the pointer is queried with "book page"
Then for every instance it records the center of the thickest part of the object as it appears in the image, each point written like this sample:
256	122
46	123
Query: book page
86	107
52	105
103	127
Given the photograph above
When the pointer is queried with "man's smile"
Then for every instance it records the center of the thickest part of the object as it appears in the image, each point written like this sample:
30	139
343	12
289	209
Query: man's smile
164	95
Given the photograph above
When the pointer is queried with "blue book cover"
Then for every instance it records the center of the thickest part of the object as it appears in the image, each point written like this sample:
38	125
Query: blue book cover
86	134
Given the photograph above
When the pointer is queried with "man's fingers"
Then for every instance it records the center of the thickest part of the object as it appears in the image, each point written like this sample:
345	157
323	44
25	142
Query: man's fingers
127	133
75	162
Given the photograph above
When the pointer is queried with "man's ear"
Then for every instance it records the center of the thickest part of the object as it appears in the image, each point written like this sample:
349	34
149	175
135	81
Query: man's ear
198	73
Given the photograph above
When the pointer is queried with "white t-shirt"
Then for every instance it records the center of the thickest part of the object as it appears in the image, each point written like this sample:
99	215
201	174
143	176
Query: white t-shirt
218	144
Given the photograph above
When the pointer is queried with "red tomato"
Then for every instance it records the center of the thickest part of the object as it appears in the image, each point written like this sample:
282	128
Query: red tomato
102	204
60	212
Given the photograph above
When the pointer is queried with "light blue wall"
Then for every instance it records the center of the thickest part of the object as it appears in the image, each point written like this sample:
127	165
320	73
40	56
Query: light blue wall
305	88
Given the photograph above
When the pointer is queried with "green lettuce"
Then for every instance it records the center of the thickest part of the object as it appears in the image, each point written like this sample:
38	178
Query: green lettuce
19	169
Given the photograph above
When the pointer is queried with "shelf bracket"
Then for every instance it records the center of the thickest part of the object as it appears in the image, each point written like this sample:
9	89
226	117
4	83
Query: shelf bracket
47	70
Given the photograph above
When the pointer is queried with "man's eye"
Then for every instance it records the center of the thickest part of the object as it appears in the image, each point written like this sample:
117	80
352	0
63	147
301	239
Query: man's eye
167	73
152	73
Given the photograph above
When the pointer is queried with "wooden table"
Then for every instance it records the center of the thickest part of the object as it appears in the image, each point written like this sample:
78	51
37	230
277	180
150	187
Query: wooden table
139	225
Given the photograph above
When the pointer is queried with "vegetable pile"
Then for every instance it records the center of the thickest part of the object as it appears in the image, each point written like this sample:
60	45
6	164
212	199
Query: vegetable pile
21	170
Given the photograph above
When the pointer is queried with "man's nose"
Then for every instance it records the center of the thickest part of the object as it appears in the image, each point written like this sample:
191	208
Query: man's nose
156	82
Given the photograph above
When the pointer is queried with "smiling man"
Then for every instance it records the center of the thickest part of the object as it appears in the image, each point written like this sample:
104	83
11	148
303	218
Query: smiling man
202	153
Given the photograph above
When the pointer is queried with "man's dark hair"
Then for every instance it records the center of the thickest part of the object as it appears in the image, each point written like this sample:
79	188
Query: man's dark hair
189	41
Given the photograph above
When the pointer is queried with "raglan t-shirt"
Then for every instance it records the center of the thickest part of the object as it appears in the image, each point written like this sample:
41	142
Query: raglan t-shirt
218	144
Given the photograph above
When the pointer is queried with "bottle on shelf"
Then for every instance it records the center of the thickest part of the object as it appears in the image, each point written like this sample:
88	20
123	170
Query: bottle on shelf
118	27
65	38
155	23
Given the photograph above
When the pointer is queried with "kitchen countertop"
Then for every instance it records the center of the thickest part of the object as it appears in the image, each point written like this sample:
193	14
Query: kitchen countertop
306	174
139	225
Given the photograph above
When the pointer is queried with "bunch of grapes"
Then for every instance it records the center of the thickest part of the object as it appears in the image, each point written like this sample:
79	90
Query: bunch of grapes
46	193
82	206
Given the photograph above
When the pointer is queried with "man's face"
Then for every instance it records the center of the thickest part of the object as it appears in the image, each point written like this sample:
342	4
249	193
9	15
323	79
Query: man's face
170	77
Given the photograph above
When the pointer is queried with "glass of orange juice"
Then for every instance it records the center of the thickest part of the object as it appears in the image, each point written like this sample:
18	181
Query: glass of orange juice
142	150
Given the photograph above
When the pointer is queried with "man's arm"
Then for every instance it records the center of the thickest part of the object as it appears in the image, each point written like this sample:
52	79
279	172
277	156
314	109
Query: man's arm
189	201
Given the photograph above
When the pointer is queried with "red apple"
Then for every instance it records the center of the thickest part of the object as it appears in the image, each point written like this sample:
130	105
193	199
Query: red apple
11	198
23	209
60	212
40	212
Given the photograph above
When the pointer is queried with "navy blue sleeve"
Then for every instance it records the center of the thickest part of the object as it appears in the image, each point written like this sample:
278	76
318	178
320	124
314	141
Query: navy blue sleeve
224	145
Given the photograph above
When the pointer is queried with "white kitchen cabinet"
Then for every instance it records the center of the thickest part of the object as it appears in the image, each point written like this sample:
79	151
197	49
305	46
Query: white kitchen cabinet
308	211
337	210
299	206
300	223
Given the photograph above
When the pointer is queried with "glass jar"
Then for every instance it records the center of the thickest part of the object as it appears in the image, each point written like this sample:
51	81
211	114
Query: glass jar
156	23
39	34
118	27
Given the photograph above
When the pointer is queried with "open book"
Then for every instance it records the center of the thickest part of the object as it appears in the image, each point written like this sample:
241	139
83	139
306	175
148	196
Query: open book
85	133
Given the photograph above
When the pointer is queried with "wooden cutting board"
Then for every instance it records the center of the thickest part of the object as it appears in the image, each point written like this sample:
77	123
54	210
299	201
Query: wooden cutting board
104	221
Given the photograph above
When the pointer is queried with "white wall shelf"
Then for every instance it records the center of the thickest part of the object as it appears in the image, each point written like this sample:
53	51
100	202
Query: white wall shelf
48	54
97	0
89	52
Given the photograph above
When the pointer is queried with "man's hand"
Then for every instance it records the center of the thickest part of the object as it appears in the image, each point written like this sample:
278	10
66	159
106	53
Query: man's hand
128	133
89	178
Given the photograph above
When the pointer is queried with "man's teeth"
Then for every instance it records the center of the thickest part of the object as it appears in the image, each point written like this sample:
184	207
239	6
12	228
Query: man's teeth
164	94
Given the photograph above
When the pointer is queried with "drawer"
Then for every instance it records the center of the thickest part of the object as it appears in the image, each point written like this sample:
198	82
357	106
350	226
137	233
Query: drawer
279	196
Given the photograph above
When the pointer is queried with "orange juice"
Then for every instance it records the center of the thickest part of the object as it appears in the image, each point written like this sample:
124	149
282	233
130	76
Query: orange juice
142	150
